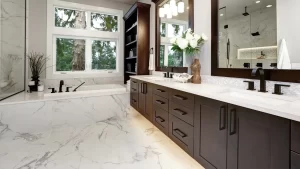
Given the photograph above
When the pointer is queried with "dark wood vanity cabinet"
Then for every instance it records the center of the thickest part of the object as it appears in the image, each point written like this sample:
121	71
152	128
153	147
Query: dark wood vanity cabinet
210	133
257	140
217	134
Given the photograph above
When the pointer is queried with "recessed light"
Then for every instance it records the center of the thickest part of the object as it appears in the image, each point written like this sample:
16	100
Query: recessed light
221	14
269	6
257	2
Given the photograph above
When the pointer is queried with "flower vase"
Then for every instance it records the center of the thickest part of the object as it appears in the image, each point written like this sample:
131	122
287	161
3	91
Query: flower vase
195	67
36	80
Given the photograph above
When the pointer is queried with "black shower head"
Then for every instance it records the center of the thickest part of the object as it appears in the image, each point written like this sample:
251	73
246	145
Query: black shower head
246	13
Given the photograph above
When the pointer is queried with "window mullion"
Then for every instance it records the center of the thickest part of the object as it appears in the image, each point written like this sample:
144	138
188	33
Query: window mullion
88	55
89	20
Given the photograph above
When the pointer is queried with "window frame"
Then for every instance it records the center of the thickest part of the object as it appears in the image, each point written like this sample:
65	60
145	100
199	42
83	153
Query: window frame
88	34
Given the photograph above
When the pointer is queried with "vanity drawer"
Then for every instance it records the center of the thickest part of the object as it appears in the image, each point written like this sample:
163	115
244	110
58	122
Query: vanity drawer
134	84
295	160
295	136
134	100
161	120
182	134
182	98
161	102
182	112
161	91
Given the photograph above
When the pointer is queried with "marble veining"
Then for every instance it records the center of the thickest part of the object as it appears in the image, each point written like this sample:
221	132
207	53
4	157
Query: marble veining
122	140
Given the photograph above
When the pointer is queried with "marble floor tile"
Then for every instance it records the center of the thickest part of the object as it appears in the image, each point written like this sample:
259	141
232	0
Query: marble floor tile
129	142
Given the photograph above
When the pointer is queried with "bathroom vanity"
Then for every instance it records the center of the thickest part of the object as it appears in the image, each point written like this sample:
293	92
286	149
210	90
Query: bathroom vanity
219	128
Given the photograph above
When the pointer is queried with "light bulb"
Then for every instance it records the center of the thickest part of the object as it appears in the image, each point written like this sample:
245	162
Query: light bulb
180	7
174	11
172	3
167	7
161	12
169	14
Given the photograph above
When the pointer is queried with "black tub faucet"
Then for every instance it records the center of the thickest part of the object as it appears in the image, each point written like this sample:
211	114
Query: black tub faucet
261	78
61	83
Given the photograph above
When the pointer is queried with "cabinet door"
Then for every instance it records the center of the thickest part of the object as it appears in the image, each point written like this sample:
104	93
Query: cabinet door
210	133
142	98
257	140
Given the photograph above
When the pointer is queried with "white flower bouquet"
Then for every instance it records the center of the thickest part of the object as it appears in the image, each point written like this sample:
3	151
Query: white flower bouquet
190	42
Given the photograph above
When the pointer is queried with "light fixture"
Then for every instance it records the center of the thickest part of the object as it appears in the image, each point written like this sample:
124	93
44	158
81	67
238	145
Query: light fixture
161	12
180	7
174	11
169	14
257	2
167	8
221	14
172	3
269	6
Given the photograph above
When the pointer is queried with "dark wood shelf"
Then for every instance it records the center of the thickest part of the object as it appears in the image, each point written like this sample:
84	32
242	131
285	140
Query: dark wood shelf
130	58
137	40
128	44
133	73
131	28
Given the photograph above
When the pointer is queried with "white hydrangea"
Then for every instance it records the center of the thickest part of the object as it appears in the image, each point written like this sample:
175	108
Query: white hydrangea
204	37
182	43
194	43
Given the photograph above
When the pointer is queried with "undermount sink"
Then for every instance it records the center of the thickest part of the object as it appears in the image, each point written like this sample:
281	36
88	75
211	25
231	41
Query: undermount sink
260	98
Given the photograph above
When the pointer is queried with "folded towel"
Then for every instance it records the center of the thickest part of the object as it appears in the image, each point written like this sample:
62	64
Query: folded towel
151	62
284	61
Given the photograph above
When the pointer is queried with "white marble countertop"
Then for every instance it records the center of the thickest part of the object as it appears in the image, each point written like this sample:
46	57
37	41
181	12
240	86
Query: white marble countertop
278	105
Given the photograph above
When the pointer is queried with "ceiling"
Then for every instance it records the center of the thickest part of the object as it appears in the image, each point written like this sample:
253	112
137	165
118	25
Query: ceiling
130	2
237	7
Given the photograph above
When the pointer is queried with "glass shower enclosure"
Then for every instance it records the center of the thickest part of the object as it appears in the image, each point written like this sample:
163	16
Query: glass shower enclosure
12	47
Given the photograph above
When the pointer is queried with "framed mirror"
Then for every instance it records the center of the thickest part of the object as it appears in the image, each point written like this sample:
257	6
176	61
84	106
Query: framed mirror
171	23
247	34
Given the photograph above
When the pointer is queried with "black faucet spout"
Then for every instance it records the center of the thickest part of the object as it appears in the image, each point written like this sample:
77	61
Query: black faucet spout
61	83
261	78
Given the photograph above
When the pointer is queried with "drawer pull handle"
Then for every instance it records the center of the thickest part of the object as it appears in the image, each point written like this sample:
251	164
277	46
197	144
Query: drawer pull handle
232	122
179	97
161	119
134	82
133	89
180	112
160	90
222	118
180	133
160	102
134	100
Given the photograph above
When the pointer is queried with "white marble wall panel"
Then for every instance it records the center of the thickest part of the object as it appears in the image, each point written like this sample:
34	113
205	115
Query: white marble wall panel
12	46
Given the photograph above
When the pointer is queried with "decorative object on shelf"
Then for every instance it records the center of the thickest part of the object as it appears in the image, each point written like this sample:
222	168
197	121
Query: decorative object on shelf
37	62
170	9
41	88
183	78
190	43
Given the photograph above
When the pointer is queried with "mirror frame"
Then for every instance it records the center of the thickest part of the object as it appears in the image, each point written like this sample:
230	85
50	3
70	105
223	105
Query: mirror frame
157	35
271	74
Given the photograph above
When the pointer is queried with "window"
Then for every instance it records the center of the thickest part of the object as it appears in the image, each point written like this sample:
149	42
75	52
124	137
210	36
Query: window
83	40
170	28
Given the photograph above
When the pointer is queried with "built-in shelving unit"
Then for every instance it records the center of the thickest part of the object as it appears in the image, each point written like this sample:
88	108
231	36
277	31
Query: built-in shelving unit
137	40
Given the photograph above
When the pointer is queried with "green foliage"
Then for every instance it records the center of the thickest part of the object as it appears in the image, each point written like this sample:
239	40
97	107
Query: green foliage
162	54
176	29
64	54
103	22
103	55
175	59
69	23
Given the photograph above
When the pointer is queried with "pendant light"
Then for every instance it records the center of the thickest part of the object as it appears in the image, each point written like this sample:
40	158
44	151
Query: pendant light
169	14
181	7
161	12
172	3
174	11
166	8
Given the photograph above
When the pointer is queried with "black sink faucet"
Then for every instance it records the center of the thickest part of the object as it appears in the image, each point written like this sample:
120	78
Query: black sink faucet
261	77
61	83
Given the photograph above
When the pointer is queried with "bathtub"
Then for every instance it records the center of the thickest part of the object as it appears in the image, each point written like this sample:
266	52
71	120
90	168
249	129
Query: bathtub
89	90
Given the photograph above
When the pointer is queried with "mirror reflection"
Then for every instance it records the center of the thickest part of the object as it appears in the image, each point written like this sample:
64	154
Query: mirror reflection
173	22
248	34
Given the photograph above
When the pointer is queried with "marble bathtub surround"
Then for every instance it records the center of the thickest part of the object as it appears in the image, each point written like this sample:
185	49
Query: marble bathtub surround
283	106
85	133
